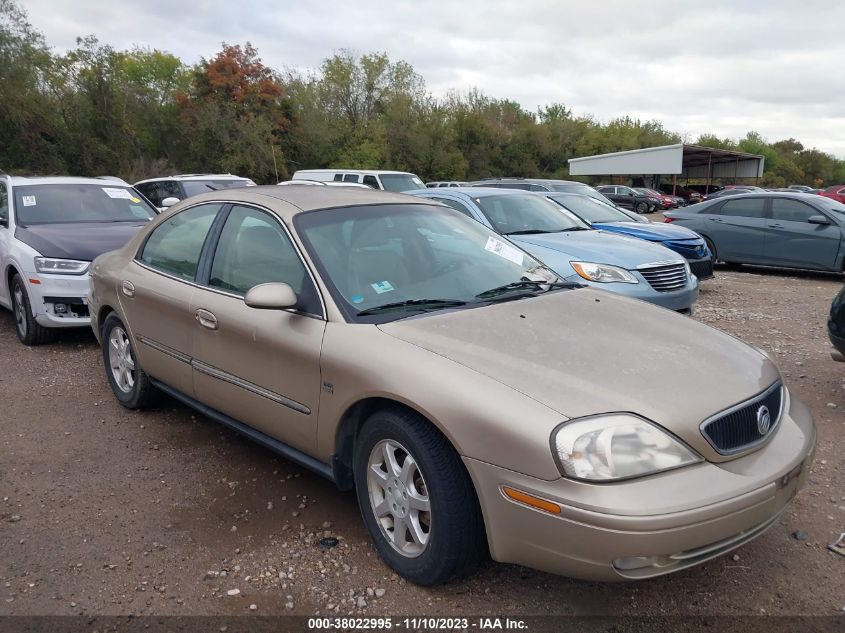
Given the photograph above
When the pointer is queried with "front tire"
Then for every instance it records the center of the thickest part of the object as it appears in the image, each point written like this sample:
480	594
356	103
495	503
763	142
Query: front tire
417	499
129	383
641	207
29	331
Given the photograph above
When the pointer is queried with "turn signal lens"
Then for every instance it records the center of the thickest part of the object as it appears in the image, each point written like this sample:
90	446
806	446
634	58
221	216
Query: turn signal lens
531	500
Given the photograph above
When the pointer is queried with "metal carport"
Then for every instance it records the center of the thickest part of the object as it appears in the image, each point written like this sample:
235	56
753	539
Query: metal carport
686	161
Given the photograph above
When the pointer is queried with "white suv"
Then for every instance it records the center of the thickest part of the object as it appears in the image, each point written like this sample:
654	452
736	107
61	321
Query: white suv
50	231
168	190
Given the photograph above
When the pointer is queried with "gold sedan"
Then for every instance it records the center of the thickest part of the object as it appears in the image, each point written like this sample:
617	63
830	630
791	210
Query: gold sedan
476	402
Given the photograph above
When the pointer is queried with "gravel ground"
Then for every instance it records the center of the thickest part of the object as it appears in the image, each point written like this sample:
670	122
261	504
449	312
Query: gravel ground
106	511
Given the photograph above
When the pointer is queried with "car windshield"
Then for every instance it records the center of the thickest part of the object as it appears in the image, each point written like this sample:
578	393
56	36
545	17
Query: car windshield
834	206
583	190
400	182
413	254
194	187
526	213
590	209
71	203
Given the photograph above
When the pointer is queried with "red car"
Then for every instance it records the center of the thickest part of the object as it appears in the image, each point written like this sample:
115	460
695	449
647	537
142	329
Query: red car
837	192
666	201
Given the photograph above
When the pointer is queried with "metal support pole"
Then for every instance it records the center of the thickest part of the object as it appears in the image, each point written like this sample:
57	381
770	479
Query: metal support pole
709	173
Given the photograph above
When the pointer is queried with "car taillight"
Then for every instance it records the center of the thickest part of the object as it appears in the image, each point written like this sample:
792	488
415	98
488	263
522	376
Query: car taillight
668	219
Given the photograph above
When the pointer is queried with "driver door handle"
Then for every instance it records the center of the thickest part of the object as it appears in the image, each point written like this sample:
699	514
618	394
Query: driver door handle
206	319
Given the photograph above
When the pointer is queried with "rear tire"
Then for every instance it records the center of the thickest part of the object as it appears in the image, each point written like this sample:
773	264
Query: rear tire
130	384
430	498
29	331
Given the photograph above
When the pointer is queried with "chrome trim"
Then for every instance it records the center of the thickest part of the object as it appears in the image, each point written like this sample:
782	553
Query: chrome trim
753	400
164	349
658	264
214	372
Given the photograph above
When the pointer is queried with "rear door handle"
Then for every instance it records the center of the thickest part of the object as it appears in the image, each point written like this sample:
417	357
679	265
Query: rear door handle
716	219
775	226
206	319
127	288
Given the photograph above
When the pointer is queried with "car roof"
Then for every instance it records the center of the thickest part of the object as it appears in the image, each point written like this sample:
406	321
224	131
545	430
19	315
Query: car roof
194	177
374	172
476	192
305	198
544	181
67	180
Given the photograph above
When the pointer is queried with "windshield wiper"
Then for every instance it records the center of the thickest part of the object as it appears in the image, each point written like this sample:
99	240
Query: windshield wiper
577	228
212	187
525	283
420	304
531	231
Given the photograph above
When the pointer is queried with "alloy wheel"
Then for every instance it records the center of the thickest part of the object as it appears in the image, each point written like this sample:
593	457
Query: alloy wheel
399	498
120	360
20	311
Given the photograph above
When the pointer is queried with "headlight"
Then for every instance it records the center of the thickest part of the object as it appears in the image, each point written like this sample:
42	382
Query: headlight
616	446
60	266
603	273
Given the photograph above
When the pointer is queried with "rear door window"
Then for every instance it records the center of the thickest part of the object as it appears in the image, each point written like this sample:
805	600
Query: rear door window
350	178
744	207
174	246
371	181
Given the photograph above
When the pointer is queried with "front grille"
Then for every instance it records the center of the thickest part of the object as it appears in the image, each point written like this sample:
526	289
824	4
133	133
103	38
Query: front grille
666	278
702	269
739	428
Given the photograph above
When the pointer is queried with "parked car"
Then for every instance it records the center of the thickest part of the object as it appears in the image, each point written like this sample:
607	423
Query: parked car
514	413
689	196
705	190
50	230
542	184
567	245
598	215
802	188
374	178
445	183
836	326
167	191
662	201
630	198
320	183
836	192
796	230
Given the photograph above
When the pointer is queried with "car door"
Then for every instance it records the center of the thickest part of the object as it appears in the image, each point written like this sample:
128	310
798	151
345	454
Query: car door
792	241
155	292
261	367
738	229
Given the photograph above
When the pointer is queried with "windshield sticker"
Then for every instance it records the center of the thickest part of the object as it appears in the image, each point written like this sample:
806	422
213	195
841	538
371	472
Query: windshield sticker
382	287
357	299
134	199
503	250
112	192
28	201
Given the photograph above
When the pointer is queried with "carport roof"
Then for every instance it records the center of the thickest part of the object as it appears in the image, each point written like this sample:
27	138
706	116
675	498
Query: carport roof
691	161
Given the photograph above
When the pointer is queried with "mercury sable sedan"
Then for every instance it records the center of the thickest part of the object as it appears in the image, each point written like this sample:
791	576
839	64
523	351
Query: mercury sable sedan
474	400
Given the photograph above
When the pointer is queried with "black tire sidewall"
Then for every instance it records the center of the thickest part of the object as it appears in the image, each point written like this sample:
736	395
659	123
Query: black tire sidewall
16	283
425	569
712	248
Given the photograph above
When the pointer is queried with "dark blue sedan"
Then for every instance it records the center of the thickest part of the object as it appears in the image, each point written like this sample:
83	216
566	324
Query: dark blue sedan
612	219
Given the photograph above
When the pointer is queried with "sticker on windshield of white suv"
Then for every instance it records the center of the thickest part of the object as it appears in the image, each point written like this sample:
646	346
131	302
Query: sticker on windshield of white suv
112	192
382	286
503	250
28	201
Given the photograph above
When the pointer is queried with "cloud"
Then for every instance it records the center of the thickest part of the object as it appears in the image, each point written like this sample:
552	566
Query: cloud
719	67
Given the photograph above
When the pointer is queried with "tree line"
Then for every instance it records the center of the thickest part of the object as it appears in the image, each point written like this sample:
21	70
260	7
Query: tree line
141	113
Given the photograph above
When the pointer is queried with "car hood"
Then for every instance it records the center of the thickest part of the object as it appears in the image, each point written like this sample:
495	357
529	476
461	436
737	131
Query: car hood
83	241
599	247
657	232
583	352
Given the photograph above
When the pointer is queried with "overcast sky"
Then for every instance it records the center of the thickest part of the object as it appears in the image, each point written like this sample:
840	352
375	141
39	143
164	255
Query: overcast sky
717	66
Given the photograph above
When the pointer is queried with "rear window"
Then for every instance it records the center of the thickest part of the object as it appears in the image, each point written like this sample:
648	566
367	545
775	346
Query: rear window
400	182
195	187
73	203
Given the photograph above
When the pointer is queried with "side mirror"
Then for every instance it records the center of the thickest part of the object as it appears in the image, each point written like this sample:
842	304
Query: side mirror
169	202
272	296
818	219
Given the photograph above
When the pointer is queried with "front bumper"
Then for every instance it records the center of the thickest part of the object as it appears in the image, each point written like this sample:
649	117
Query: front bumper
46	292
671	521
702	268
838	352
